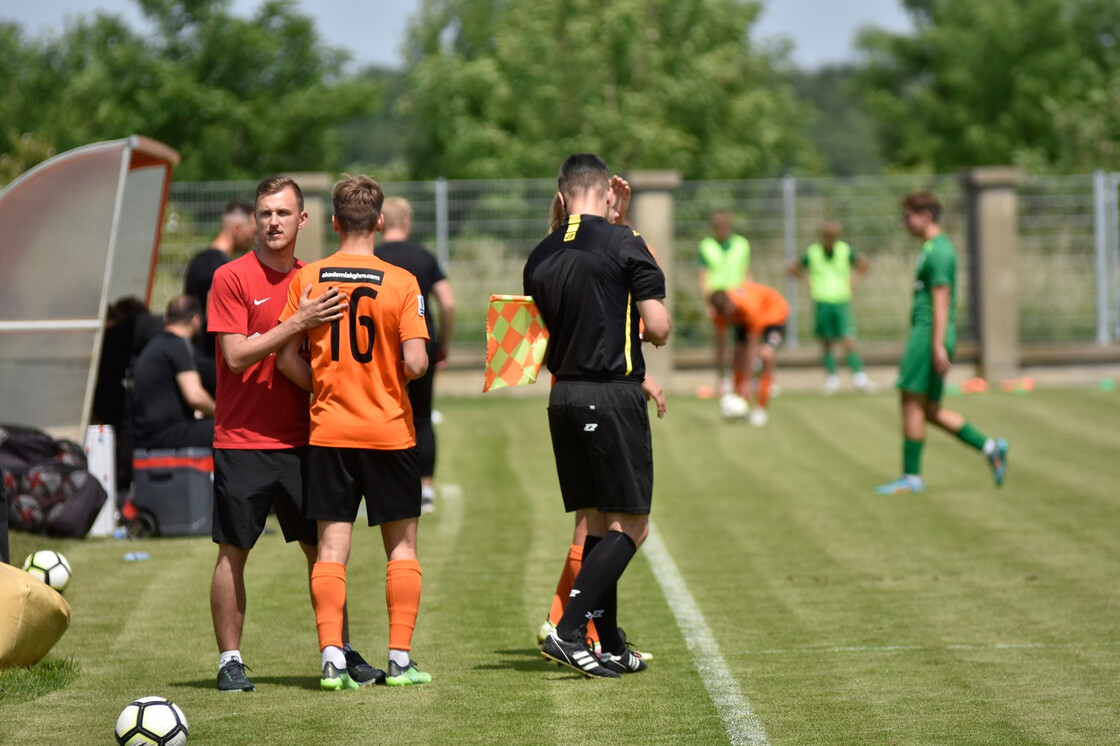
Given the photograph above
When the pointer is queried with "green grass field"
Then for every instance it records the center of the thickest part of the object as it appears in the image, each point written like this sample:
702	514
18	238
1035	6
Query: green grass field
965	615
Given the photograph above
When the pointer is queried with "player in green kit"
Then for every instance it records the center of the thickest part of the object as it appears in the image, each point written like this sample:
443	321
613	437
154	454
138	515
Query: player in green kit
833	268
929	349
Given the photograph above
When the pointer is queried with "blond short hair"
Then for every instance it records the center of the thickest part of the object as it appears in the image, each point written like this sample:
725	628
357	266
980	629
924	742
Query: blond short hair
397	212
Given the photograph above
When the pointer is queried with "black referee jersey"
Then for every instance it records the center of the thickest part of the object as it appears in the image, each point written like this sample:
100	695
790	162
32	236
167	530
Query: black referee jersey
586	278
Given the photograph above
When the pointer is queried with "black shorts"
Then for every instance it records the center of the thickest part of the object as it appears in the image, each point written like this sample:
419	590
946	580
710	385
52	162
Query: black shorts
420	392
601	441
247	483
740	331
340	477
774	335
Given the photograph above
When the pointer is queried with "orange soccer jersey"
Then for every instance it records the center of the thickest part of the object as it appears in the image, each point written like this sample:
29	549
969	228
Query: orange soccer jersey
359	399
758	306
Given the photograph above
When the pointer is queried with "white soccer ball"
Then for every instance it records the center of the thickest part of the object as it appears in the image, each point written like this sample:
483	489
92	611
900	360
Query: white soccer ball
50	567
152	721
733	407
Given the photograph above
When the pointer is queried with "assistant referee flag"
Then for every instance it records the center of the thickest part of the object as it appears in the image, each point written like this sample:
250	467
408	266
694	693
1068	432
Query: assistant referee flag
516	339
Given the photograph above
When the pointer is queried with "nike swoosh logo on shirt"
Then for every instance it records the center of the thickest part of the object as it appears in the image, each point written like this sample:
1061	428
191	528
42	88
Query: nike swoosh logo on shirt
262	300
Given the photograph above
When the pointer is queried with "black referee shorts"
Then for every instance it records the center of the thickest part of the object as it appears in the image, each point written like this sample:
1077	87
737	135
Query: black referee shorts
340	477
247	483
602	444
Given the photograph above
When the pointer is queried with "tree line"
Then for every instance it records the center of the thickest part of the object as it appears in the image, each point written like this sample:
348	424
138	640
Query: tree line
505	90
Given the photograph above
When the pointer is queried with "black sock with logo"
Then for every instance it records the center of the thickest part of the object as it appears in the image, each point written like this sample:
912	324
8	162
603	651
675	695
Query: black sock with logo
596	583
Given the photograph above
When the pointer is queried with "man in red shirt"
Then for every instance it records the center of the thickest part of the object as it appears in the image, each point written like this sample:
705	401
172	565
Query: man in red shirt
261	419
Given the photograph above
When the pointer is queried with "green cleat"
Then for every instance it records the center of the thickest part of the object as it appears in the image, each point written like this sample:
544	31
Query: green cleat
543	630
335	680
407	676
901	486
998	459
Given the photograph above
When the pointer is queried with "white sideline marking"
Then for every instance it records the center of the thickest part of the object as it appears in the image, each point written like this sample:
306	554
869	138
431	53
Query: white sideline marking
912	648
449	508
734	709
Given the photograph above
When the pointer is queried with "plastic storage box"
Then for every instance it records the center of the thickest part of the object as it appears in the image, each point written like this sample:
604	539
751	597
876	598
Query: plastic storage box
173	492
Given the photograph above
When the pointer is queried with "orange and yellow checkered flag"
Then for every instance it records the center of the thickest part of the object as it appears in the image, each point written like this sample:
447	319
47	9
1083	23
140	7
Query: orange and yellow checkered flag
516	339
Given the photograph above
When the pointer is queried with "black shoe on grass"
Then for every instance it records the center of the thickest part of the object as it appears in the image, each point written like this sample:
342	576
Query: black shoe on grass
576	655
362	672
627	662
232	678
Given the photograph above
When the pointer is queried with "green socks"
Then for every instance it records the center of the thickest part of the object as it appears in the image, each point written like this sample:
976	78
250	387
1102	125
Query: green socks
854	362
912	457
830	362
972	436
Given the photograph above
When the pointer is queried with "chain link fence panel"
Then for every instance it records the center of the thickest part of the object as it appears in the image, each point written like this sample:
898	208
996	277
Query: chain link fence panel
482	232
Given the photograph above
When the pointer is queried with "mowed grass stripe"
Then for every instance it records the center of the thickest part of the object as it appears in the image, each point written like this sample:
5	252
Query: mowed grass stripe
966	614
979	502
825	520
471	603
734	709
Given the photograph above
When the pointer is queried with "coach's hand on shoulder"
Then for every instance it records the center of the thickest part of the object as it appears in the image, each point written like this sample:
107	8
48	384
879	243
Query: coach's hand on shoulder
654	392
313	312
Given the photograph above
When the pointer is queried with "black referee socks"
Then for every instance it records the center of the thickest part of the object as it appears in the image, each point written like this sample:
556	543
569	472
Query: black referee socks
596	587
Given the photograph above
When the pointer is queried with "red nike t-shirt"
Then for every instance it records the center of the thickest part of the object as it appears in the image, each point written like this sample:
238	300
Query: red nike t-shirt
260	408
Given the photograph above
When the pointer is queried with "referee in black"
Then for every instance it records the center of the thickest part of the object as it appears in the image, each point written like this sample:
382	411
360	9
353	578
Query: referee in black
592	281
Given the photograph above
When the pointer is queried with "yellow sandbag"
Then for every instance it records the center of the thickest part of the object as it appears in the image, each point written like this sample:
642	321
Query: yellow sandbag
33	617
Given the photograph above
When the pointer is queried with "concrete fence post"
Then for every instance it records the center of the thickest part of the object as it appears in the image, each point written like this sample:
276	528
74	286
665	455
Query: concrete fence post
992	207
651	214
316	188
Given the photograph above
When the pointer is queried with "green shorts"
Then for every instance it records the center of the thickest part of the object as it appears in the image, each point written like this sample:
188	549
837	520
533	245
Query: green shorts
915	372
835	321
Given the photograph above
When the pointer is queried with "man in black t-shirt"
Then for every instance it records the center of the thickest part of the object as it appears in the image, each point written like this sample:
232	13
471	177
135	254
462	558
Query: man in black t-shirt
238	233
396	249
166	387
593	282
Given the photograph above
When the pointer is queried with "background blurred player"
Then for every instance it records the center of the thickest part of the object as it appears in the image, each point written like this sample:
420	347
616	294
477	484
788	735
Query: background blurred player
362	439
764	312
592	281
725	260
237	233
261	429
398	250
834	268
929	349
167	389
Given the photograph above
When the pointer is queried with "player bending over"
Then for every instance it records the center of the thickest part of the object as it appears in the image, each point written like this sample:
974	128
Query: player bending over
362	439
929	350
764	312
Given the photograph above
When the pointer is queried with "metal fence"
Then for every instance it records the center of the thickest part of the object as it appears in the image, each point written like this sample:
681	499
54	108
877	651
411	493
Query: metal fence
1067	272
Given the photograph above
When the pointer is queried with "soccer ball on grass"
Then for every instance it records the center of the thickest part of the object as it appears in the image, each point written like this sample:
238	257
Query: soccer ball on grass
50	567
152	721
733	407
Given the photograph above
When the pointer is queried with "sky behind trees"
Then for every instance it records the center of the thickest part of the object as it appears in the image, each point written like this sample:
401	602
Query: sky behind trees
372	31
